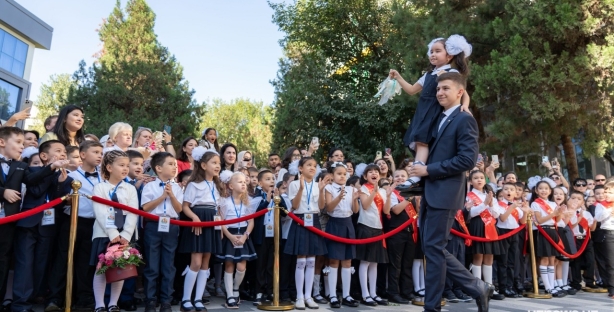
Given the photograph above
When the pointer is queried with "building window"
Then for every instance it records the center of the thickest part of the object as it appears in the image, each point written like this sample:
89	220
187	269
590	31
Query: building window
9	98
13	54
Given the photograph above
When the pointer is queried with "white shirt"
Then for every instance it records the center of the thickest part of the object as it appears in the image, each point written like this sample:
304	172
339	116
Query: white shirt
153	190
475	211
604	215
286	221
231	210
536	207
447	114
344	208
201	193
576	229
435	72
510	223
280	175
5	166
86	209
127	195
309	200
371	216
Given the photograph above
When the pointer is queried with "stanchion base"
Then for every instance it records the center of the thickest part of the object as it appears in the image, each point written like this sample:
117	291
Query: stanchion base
280	307
594	290
420	301
537	296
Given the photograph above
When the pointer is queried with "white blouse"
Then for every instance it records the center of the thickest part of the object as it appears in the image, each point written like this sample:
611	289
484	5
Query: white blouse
371	216
536	207
154	190
511	222
231	210
127	195
589	218
475	211
344	208
309	199
202	193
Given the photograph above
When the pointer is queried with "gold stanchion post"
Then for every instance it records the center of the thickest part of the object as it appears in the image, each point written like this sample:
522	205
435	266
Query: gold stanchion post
419	301
276	305
74	213
535	294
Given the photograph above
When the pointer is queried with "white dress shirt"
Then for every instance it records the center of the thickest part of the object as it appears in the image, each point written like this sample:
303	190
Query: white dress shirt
154	190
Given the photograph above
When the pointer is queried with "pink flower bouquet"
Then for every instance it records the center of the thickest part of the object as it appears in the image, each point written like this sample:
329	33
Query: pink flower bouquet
118	256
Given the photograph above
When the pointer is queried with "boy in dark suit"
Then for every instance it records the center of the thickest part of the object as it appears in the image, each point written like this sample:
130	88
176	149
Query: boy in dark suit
34	235
14	173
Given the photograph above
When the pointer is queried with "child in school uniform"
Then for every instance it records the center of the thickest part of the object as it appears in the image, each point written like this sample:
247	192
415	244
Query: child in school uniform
582	223
484	212
375	203
287	263
565	233
604	213
200	203
237	248
163	198
512	216
112	225
545	213
34	235
306	204
341	204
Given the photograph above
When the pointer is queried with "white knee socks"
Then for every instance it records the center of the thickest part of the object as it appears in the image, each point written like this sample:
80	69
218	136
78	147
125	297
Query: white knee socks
299	277
100	283
332	281
201	283
228	282
116	290
316	284
346	279
372	279
550	270
362	276
477	271
310	270
239	275
416	273
188	285
487	272
543	272
565	273
326	286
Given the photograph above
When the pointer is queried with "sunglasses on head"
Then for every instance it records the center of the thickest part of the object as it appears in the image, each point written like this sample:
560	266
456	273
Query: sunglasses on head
580	184
556	178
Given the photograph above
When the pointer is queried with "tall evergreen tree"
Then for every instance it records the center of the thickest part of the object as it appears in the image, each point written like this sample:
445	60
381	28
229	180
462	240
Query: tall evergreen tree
53	95
135	79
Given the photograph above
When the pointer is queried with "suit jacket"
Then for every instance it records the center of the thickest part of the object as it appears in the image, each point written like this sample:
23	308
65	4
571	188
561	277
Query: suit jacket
259	232
19	173
453	152
36	195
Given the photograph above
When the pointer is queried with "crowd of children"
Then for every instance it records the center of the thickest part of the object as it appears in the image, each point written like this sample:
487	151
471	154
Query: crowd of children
202	181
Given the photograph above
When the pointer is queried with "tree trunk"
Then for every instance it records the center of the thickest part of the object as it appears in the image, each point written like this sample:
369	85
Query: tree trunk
570	158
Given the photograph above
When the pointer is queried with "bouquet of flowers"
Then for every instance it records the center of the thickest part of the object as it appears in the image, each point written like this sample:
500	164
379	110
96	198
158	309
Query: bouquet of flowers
118	256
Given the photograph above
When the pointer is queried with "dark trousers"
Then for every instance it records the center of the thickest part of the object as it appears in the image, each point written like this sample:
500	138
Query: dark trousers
456	247
435	225
586	262
31	259
160	257
264	275
507	261
83	292
609	261
520	267
287	267
599	246
7	232
401	249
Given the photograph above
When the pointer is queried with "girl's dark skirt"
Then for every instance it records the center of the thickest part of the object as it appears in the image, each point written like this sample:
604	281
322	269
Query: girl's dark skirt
372	252
209	241
476	228
341	227
99	246
543	248
232	254
302	242
566	235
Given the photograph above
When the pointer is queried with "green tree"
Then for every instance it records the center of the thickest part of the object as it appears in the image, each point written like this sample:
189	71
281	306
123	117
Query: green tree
245	123
53	95
135	79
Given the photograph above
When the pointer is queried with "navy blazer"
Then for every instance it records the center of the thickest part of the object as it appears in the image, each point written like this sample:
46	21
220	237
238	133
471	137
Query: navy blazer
19	173
36	195
259	232
453	152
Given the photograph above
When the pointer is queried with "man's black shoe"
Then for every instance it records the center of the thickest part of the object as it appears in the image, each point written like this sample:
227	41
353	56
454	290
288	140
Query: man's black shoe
397	299
484	299
127	305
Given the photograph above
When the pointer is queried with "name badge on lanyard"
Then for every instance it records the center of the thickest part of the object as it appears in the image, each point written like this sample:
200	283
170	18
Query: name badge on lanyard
217	216
110	223
308	219
2	213
239	246
48	216
164	224
269	229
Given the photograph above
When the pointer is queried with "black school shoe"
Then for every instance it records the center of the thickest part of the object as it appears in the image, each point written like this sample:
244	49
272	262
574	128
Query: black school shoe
350	302
334	303
369	303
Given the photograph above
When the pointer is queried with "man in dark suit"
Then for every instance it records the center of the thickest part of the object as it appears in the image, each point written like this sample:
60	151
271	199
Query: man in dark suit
13	174
453	151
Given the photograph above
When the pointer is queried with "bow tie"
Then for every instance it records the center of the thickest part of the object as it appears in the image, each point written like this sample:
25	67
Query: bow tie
4	160
162	184
91	174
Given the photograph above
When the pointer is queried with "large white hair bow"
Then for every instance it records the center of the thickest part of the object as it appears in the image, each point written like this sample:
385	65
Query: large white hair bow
225	175
28	152
428	52
360	169
199	151
536	179
293	168
456	44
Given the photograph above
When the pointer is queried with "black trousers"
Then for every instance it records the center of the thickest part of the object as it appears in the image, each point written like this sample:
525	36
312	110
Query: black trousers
287	267
520	267
7	232
609	261
264	274
401	249
83	292
435	225
456	247
586	262
507	261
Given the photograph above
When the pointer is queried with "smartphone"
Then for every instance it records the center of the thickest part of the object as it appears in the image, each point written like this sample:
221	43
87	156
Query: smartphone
378	155
480	157
498	175
388	151
495	158
545	159
167	128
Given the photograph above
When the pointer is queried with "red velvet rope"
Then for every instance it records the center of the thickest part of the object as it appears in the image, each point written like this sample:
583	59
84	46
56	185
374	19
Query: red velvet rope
31	212
485	240
177	222
350	241
561	250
